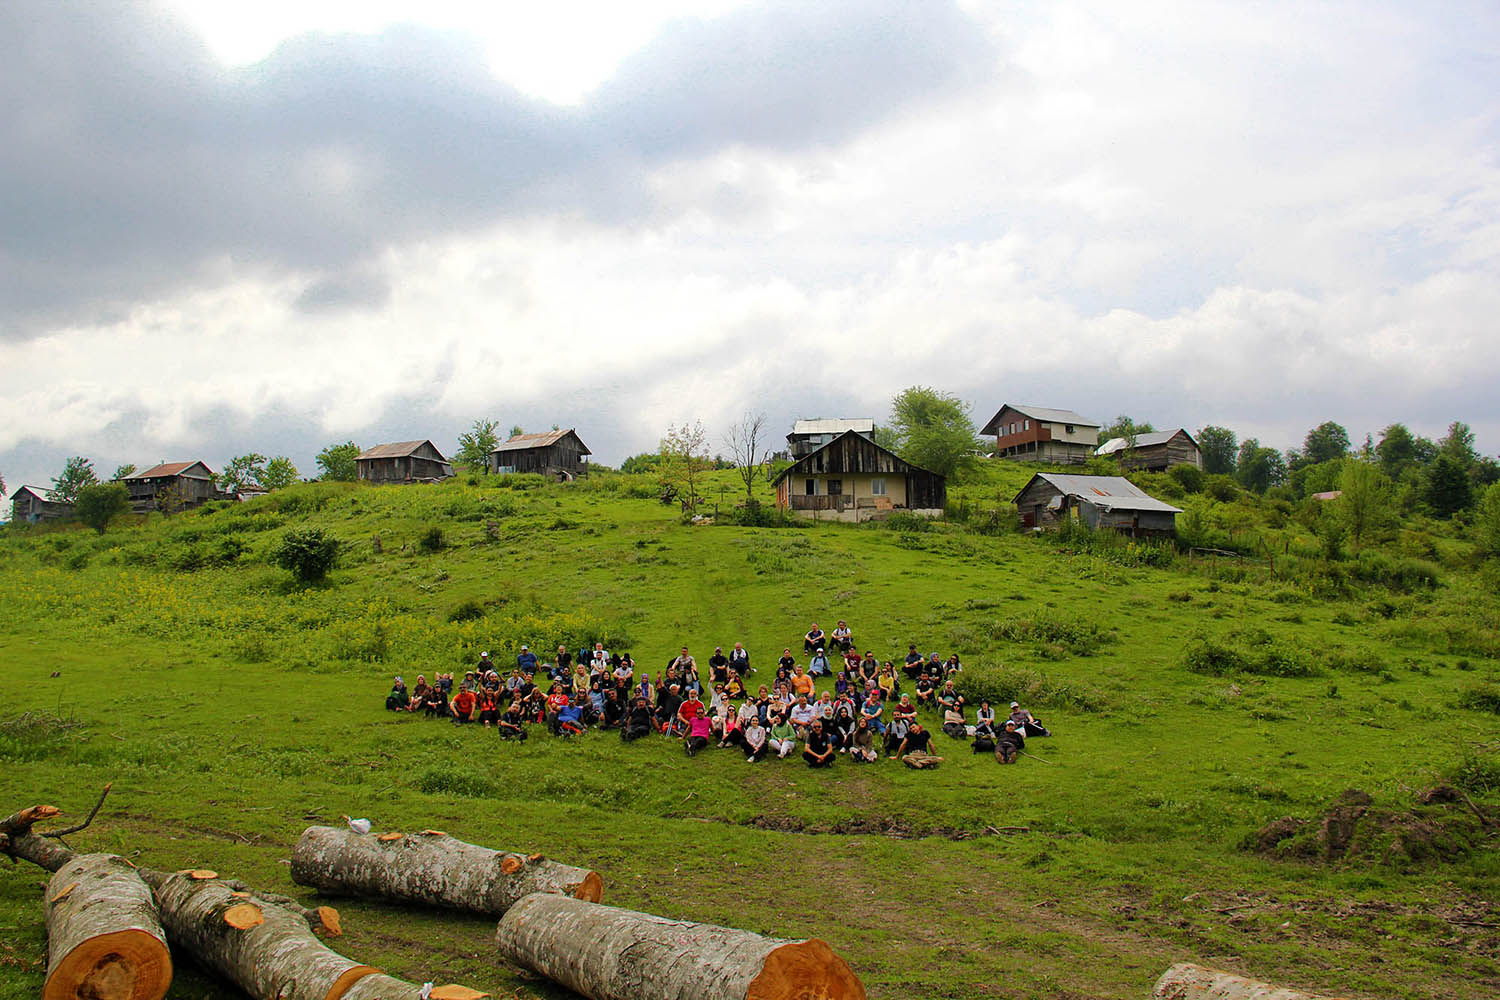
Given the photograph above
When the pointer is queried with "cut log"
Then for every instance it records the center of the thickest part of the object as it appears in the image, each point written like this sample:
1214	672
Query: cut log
17	840
1186	981
436	870
606	953
104	941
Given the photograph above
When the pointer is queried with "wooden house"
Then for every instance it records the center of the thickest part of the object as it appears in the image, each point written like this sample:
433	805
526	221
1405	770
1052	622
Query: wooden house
559	454
1155	451
808	436
1099	501
1039	434
402	462
32	504
175	484
851	478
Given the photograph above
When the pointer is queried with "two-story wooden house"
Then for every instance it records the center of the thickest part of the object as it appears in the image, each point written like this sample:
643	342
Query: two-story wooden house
174	485
559	454
402	462
31	504
1154	451
1040	434
852	478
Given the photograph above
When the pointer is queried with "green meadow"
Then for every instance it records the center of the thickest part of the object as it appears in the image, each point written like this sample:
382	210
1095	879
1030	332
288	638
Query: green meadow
1275	762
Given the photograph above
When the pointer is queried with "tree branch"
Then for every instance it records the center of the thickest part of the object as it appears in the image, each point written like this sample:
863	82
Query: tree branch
59	834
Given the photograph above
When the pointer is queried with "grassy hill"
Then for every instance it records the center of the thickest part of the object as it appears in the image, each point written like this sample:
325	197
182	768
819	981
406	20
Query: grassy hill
1196	702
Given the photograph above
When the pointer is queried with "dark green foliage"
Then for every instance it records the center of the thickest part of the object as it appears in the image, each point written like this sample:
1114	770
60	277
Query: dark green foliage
432	540
906	522
475	445
337	462
307	553
1326	442
98	504
1219	448
1246	651
466	611
1448	489
77	473
1222	488
1072	635
1482	697
933	430
1477	772
1191	478
1257	468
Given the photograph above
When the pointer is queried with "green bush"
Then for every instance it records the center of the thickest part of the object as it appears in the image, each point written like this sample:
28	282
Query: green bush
906	522
432	540
1074	635
1482	697
1246	651
466	611
1222	488
1000	685
307	553
1189	477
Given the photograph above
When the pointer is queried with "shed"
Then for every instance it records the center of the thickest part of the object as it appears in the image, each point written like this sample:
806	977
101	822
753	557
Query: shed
560	454
402	462
1155	451
854	479
808	436
1027	433
173	485
1099	501
32	504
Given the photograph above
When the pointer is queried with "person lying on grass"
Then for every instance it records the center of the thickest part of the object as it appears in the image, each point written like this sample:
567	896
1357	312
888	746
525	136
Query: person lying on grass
984	736
819	751
1028	724
1009	743
511	726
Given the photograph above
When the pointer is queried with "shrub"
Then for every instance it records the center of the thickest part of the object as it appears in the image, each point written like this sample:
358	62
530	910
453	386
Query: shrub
98	504
1247	651
466	611
432	540
1477	773
1000	685
1222	488
307	553
1482	697
1074	635
1189	477
907	522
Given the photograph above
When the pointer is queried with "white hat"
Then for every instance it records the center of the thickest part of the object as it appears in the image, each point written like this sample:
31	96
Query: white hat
485	653
1015	704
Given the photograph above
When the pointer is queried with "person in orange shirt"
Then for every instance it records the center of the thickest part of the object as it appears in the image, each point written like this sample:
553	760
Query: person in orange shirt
801	682
462	706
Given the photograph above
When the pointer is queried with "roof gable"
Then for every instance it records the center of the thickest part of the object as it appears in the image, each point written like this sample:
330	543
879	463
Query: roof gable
397	449
804	466
1151	440
44	495
1113	492
167	470
834	425
1042	414
522	442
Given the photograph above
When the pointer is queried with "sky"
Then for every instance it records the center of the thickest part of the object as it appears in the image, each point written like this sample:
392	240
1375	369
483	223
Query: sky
228	228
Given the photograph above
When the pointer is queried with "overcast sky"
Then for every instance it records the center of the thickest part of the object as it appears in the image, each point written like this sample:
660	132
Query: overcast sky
304	221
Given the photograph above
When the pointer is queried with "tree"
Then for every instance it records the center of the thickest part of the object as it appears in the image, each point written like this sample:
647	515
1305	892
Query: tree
1458	444
933	430
1397	450
1487	522
77	473
279	473
1448	489
2	485
1219	446
98	504
744	441
516	430
1365	503
1324	443
684	459
307	553
128	469
475	445
242	472
1124	427
1259	468
337	462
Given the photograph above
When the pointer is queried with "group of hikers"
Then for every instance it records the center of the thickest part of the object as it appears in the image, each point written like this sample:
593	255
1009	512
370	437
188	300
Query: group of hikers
864	713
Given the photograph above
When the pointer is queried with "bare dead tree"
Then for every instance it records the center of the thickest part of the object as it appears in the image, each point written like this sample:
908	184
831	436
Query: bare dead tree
745	444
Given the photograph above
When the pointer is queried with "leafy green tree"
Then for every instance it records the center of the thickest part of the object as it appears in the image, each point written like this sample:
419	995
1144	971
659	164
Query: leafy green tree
1258	468
98	504
1487	522
1397	450
1325	443
684	459
1124	427
475	445
128	469
242	472
1219	447
1458	444
279	473
77	473
307	553
337	462
2	485
1426	449
516	430
1447	489
1365	503
934	430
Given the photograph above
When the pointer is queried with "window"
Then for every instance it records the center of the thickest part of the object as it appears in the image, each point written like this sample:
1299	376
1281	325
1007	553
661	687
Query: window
1026	425
812	487
835	487
877	487
1068	428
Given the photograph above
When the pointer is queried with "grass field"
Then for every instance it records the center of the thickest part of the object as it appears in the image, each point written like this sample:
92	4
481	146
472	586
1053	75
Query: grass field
1192	703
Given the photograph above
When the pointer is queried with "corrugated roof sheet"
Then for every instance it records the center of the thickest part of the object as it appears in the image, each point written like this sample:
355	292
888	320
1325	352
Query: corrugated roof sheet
396	449
1040	413
36	491
1114	492
835	425
547	439
1141	441
166	469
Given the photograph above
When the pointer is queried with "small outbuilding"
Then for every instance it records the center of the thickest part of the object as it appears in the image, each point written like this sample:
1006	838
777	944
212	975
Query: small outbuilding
31	504
175	485
1050	498
1154	452
559	454
808	436
852	478
1027	433
402	462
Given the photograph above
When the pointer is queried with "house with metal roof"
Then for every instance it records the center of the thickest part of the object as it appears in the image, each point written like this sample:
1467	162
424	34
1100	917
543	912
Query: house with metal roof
560	454
1154	451
1050	498
171	486
808	436
402	462
1027	433
31	504
851	478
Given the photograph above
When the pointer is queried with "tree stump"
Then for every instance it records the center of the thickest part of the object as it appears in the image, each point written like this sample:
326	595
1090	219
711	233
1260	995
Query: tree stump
431	868
1185	981
606	953
104	940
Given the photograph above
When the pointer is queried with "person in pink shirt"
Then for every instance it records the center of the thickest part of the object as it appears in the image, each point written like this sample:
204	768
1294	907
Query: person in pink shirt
700	731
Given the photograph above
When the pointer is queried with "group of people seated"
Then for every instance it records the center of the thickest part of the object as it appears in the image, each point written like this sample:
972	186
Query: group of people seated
862	715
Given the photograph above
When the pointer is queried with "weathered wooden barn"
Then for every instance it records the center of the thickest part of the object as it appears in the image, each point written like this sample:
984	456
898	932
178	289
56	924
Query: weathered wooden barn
1155	451
402	462
808	436
1050	498
559	454
1028	433
854	479
177	485
31	504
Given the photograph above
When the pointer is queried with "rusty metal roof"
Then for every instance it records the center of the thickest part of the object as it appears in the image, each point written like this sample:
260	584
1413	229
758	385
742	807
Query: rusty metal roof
396	449
168	469
1112	492
521	442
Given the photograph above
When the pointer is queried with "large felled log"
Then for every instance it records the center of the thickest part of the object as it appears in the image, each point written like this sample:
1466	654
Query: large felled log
606	953
431	868
1186	981
104	941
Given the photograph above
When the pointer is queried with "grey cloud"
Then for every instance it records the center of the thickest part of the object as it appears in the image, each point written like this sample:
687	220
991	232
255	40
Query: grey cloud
365	287
135	165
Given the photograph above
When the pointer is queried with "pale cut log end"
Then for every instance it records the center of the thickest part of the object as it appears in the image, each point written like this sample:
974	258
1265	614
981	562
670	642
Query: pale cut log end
455	992
124	965
591	889
349	978
805	970
1186	981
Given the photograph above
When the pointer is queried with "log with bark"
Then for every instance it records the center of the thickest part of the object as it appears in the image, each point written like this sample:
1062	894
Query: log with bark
433	868
104	941
606	953
1186	981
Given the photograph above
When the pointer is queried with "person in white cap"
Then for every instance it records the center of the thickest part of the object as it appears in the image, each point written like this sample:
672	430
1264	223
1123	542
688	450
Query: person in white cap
526	660
1028	724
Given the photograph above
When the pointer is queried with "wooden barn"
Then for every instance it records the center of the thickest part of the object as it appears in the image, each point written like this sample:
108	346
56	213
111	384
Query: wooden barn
808	436
402	462
176	484
1028	433
854	479
31	504
559	454
1099	501
1155	451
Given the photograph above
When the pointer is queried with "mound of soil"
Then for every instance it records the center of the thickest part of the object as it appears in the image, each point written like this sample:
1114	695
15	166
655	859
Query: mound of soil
1437	827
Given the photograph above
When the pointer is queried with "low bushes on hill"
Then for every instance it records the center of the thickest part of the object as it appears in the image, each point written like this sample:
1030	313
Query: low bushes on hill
1076	636
1481	697
307	553
1000	685
1247	651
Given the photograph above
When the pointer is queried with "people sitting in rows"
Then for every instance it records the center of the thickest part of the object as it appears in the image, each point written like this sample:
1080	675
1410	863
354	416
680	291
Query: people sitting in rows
843	638
1029	724
819	750
1009	743
814	639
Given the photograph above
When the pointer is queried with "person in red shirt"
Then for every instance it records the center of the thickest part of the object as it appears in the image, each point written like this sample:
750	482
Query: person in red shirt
488	703
690	709
462	706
